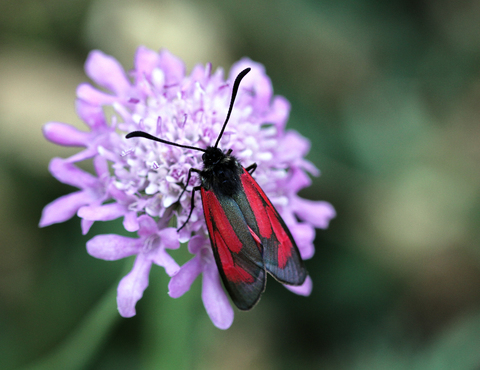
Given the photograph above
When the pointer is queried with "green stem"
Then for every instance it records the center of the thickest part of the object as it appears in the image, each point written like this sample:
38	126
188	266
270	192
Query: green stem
169	333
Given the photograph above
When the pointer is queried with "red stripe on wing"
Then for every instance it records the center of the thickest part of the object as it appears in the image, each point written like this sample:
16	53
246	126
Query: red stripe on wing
220	229
233	273
285	244
217	221
268	219
238	257
280	253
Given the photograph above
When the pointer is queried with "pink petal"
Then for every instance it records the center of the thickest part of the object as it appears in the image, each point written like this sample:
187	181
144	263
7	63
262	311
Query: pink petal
105	212
120	195
130	222
147	226
279	112
63	208
173	67
298	180
169	238
66	135
308	166
83	155
200	73
196	243
305	289
184	277
107	72
146	61
101	167
162	258
69	174
86	225
256	81
93	96
304	234
92	115
318	213
296	146
111	247
214	298
132	286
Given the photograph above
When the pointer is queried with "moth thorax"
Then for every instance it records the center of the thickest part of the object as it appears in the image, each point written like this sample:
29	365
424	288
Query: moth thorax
212	156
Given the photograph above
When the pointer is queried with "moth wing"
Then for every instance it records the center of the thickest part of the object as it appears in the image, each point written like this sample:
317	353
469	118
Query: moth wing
238	257
280	253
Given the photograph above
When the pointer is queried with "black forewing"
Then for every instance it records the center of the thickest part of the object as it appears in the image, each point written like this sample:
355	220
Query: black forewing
239	259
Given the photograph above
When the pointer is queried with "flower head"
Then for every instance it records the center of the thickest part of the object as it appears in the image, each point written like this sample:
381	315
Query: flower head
141	180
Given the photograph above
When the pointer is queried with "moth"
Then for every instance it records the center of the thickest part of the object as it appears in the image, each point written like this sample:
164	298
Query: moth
248	236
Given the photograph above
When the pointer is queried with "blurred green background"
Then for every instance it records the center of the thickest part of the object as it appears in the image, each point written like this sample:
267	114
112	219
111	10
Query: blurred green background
389	95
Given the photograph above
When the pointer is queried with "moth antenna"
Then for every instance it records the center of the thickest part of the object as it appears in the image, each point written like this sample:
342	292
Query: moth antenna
154	138
236	84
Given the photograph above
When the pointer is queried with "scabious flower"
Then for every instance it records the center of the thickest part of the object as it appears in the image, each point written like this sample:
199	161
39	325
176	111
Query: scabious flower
141	180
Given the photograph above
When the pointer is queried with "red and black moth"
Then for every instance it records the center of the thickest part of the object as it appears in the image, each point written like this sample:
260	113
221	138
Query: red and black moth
248	236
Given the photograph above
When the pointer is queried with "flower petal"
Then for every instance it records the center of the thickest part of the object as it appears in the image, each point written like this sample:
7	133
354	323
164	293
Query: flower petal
106	71
111	247
162	258
63	208
297	180
66	135
120	195
305	289
184	277
214	298
92	115
318	213
105	212
92	96
101	167
69	174
196	243
292	146
130	222
173	67
169	238
145	62
304	234
86	225
132	286
148	226
83	155
279	112
256	81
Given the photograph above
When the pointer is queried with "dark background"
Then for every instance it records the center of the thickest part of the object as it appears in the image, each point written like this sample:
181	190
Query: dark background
389	95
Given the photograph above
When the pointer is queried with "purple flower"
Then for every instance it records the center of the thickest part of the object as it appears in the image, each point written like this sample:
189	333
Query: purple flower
214	297
141	180
149	247
93	191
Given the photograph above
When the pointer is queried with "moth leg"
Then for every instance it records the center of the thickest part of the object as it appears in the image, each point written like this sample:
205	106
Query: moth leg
250	169
192	200
188	180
